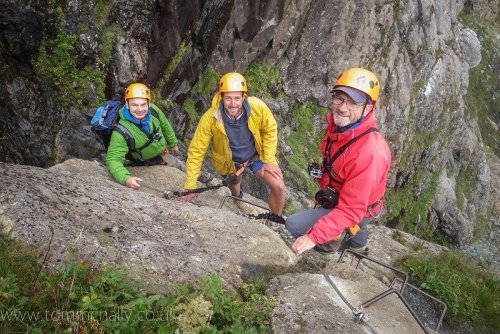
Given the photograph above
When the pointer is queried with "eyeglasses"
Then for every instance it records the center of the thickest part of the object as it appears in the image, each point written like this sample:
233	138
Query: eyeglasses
351	105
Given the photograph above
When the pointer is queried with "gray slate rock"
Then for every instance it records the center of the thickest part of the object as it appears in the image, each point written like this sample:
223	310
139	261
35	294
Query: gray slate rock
156	240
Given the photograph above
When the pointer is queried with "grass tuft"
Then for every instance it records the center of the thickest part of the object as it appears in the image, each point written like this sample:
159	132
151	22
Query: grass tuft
470	291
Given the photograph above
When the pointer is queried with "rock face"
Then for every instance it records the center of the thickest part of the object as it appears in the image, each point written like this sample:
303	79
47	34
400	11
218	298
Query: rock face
157	240
74	211
420	50
309	304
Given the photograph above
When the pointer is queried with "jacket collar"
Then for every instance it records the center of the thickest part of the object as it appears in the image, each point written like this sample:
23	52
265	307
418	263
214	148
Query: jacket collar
143	123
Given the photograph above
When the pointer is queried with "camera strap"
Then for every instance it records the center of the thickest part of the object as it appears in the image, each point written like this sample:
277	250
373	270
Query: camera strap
328	162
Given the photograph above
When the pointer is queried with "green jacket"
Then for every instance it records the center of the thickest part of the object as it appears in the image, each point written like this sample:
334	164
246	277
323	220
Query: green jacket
118	148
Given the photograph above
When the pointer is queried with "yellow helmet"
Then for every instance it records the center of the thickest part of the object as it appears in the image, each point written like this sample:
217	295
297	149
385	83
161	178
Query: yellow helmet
360	79
232	82
137	90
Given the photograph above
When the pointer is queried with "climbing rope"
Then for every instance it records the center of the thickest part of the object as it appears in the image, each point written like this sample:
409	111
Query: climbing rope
169	194
270	217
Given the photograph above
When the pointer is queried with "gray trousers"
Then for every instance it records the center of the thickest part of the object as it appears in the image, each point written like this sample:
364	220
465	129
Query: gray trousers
300	223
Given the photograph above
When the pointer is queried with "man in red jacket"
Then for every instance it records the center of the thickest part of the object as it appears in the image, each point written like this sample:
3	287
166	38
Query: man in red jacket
353	176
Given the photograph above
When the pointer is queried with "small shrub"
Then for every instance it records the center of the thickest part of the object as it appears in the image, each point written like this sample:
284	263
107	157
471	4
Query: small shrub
469	291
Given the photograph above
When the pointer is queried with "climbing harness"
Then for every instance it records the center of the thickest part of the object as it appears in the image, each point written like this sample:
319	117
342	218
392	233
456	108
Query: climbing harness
328	161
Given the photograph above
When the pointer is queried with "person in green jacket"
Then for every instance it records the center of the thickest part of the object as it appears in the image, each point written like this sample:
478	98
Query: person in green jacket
154	138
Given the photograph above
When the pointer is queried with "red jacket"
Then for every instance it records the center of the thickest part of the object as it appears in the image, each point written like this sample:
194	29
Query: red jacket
360	176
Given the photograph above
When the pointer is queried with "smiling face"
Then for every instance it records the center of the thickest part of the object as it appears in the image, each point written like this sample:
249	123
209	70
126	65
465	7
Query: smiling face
233	102
345	111
138	107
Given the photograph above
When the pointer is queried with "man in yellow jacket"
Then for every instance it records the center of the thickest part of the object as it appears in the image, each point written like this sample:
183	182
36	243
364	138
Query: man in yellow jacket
243	133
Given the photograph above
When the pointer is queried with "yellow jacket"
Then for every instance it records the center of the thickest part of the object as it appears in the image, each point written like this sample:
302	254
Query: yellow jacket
210	130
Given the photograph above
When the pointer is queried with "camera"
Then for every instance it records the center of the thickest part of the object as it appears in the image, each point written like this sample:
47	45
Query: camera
327	198
315	170
156	136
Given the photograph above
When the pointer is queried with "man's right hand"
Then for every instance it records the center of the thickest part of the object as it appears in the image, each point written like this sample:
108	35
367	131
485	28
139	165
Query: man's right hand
301	244
133	182
187	198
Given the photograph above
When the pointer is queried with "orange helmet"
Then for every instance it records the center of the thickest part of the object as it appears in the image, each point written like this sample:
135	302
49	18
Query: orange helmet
232	82
137	90
360	79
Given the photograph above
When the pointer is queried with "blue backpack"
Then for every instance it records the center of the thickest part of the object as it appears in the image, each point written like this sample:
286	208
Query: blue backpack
105	120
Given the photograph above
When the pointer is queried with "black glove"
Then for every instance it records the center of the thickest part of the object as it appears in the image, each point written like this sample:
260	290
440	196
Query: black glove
230	179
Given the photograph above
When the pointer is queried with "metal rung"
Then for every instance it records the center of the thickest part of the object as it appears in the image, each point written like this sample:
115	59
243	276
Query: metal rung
404	283
438	325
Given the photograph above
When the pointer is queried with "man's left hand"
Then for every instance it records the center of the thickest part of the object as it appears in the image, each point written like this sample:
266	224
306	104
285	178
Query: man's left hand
274	170
301	244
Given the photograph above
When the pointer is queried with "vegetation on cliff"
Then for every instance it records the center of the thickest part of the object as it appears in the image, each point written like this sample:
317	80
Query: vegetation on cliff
86	297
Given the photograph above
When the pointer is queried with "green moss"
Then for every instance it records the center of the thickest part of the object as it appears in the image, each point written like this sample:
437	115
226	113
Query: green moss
262	80
290	208
189	107
82	27
109	36
398	236
397	13
418	87
408	207
432	10
183	48
103	239
304	143
56	62
482	99
439	53
464	185
207	84
422	141
101	12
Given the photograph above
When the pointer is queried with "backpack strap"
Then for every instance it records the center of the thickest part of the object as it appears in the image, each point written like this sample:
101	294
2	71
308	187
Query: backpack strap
127	135
328	162
128	138
155	110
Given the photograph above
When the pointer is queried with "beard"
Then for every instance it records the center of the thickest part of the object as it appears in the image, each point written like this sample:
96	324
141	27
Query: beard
341	121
